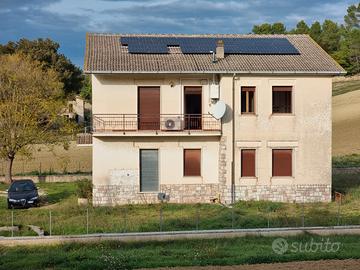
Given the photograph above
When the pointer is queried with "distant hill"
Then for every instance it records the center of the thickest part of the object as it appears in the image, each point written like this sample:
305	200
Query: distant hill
346	116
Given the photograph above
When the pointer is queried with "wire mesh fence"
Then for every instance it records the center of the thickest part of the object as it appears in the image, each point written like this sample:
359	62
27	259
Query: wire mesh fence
78	220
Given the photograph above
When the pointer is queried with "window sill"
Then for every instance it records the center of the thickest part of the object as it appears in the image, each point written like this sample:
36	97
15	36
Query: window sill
148	192
248	114
282	114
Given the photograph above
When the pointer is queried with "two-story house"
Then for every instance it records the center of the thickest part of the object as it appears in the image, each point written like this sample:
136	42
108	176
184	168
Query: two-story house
210	117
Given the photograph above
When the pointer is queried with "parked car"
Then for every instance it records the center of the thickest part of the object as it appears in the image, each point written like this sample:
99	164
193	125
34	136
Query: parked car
22	193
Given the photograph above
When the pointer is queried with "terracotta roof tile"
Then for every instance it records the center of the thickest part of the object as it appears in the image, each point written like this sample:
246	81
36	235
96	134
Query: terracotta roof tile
105	54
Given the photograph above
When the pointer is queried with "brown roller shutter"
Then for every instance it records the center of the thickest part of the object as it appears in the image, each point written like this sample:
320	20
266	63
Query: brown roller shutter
192	162
282	162
149	108
248	163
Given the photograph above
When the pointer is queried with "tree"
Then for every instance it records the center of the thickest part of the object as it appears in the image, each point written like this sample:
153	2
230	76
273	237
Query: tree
278	28
85	92
262	29
30	108
46	52
352	18
315	31
330	36
301	28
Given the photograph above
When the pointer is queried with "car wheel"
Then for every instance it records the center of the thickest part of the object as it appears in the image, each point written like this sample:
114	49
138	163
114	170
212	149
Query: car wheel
9	205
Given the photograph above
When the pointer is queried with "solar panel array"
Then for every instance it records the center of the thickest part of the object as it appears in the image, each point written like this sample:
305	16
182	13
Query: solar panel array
203	45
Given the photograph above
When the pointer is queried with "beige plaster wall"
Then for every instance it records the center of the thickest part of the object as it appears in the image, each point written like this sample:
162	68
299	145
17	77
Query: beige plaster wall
307	130
115	155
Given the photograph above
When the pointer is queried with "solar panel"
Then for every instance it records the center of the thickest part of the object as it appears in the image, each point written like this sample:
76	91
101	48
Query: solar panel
203	45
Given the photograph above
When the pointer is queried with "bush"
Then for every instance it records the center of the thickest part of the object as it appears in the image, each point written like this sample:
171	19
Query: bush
346	161
84	189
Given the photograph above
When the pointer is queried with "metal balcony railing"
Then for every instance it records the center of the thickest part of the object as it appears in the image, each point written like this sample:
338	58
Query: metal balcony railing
160	122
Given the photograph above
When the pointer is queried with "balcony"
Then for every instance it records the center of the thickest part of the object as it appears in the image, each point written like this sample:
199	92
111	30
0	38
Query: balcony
153	125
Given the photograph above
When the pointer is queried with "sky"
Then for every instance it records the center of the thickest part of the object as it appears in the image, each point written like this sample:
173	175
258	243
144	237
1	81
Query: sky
67	21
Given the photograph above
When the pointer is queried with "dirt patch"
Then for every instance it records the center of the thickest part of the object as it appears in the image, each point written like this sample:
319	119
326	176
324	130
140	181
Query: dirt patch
316	265
346	121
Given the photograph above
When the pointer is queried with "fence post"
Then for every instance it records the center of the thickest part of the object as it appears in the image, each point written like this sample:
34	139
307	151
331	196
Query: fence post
87	220
50	223
125	219
161	218
12	223
197	217
338	213
303	213
268	217
40	168
232	217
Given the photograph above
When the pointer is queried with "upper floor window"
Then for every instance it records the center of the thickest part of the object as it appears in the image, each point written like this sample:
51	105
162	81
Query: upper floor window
247	99
281	99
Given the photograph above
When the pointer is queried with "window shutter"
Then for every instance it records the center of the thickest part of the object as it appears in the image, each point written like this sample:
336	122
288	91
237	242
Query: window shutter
149	170
248	163
282	162
192	162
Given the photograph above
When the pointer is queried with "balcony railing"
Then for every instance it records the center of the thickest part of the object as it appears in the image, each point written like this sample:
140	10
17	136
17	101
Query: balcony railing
162	122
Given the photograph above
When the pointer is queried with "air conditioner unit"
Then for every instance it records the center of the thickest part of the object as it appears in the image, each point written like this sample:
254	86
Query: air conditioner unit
172	123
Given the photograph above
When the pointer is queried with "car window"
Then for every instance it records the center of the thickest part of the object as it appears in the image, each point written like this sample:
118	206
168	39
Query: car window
22	186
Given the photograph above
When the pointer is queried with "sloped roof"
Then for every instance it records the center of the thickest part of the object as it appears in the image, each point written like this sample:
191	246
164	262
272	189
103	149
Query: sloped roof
105	54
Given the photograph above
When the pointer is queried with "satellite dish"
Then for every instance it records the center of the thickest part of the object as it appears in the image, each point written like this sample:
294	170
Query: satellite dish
218	109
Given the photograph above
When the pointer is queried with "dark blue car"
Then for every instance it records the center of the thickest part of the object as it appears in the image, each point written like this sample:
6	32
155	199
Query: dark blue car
22	193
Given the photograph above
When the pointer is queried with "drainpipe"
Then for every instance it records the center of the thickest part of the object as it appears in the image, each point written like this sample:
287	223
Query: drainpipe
233	142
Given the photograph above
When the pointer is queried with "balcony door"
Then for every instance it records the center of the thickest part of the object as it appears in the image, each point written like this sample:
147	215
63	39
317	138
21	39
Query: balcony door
192	107
149	108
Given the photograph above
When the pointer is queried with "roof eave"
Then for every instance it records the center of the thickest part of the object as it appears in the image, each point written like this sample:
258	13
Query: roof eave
329	73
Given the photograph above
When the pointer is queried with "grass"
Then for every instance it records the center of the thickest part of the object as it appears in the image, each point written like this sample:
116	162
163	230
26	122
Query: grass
69	218
343	87
118	255
346	161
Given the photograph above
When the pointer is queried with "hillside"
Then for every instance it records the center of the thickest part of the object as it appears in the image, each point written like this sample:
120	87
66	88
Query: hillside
346	117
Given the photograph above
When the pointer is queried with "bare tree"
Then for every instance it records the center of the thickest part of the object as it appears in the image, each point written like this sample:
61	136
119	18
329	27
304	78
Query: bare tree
30	108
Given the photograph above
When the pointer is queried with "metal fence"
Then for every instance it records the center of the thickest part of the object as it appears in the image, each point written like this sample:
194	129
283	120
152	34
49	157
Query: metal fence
74	219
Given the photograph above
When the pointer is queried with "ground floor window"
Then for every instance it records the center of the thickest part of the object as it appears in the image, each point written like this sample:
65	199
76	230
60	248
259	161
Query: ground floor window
248	163
149	170
192	162
282	162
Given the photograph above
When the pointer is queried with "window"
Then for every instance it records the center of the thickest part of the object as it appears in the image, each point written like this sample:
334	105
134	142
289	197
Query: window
281	162
281	97
248	163
149	170
247	99
192	162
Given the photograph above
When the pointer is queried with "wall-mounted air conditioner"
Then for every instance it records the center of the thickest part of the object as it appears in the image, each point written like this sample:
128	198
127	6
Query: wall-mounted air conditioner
172	123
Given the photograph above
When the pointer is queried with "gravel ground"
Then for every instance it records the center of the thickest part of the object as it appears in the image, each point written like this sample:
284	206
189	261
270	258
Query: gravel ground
306	265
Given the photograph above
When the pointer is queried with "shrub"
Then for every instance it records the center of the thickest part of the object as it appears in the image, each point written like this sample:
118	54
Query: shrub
84	189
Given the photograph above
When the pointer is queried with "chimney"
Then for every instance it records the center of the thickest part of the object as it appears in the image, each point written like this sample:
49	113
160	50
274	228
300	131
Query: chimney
220	49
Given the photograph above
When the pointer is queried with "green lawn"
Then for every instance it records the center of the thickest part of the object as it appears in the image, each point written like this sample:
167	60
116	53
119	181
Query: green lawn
69	218
343	87
118	255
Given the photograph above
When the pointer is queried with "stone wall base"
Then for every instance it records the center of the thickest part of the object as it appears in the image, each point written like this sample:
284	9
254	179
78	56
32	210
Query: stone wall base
190	193
203	193
284	193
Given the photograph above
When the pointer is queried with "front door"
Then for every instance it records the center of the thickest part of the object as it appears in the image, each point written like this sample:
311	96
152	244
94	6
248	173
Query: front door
149	170
193	108
149	108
